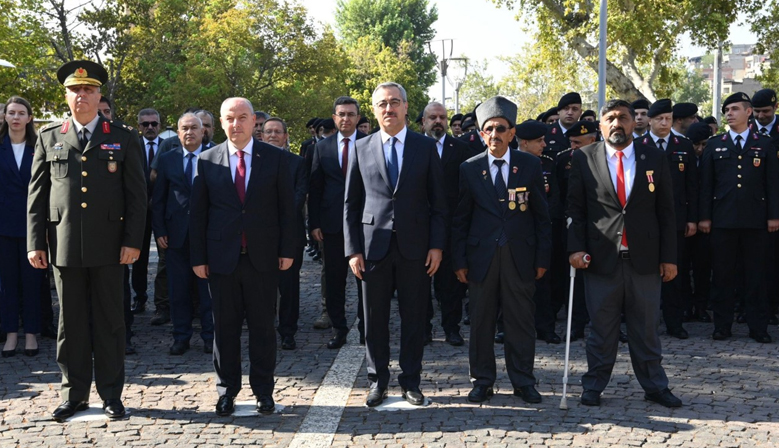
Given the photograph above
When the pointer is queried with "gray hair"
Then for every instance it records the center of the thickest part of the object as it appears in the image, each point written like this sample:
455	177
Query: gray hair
188	115
389	85
148	111
205	112
261	114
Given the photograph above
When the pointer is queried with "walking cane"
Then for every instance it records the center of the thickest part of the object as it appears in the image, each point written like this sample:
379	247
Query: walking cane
564	401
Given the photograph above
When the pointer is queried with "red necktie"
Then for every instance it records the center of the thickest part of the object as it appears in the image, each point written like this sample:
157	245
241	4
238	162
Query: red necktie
345	156
240	185
621	191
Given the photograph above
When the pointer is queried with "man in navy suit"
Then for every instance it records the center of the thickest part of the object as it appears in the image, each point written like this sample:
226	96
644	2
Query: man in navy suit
501	244
330	160
394	234
170	219
242	217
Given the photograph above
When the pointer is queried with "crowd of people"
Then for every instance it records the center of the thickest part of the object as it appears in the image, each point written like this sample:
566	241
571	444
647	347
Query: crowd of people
666	218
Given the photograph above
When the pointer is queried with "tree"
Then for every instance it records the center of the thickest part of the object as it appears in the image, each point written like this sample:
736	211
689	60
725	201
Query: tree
642	36
765	24
477	86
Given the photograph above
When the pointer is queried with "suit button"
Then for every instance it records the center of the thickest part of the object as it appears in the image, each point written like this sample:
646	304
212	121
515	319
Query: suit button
739	157
739	185
739	176
83	189
739	167
110	158
243	212
83	205
84	173
83	158
121	218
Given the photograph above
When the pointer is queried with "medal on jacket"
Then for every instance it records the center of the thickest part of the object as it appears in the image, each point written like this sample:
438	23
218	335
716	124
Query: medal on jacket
756	162
651	180
112	166
521	194
512	199
681	167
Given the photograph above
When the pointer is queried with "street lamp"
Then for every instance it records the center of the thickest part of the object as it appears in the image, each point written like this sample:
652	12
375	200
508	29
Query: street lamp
458	69
443	64
4	63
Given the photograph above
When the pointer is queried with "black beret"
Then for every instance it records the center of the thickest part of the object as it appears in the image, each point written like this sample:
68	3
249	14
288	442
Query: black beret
764	98
80	73
588	113
698	131
552	111
540	116
710	120
569	98
468	122
640	104
684	110
317	123
583	127
661	107
456	117
735	98
419	117
311	122
531	130
497	107
363	119
328	124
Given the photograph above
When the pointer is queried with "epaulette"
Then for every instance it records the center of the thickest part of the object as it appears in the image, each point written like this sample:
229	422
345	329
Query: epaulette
565	151
122	125
547	156
51	126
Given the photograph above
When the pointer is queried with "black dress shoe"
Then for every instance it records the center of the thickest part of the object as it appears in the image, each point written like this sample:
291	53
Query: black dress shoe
721	335
413	396
265	405
225	406
49	331
665	398
681	333
31	352
9	353
375	397
773	320
288	343
68	409
160	317
337	341
179	348
3	336
499	337
528	394
623	337
455	339
741	318
138	307
549	338
590	398
208	347
113	408
480	394
576	335
763	338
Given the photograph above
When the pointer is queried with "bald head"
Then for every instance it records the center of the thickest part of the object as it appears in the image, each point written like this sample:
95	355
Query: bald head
237	118
434	120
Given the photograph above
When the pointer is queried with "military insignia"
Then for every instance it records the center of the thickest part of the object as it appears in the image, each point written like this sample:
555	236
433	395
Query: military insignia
646	141
554	132
65	127
643	157
111	147
112	166
755	136
551	142
58	146
756	161
583	130
681	167
484	173
106	127
514	170
546	187
724	137
650	178
523	207
472	137
676	140
568	165
512	205
744	97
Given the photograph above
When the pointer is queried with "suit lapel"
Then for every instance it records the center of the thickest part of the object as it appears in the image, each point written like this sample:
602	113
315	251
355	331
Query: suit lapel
99	136
602	169
448	149
255	174
71	137
178	169
376	147
7	154
408	159
26	162
640	177
489	185
225	173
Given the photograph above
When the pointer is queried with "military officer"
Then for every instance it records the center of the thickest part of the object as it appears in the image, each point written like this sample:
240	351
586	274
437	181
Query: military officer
87	209
739	205
641	107
569	109
684	176
684	114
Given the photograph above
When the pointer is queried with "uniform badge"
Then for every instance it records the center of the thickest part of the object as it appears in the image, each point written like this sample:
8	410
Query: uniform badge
111	147
551	142
522	196
65	127
724	137
646	141
756	161
568	165
554	132
112	166
472	137
676	140
106	128
681	167
650	178
58	146
583	130
514	170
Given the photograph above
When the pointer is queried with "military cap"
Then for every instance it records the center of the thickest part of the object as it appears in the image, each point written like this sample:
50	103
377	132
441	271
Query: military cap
328	124
569	98
710	120
640	104
698	132
684	110
764	98
81	73
551	111
468	122
311	122
419	117
588	113
456	117
661	107
531	130
735	98
317	123
363	119
583	127
540	116
497	107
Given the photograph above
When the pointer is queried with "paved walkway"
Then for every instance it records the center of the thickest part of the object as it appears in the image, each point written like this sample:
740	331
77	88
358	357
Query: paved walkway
730	390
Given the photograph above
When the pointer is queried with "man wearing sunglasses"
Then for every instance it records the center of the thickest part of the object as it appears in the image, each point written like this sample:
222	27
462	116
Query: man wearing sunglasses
501	244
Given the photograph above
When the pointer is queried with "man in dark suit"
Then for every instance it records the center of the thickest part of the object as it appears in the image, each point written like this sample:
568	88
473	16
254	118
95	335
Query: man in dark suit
241	223
87	208
329	162
448	291
176	170
620	201
274	132
501	244
684	176
394	234
309	141
739	205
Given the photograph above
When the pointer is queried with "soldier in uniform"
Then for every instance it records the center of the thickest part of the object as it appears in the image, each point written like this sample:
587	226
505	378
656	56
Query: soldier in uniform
531	140
739	205
641	107
588	115
87	208
684	115
570	109
684	177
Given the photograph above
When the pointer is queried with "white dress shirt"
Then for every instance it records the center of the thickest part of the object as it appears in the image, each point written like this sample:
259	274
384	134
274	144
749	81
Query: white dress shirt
194	160
655	138
156	142
352	139
18	153
247	158
628	167
90	126
440	146
399	145
767	127
744	136
504	170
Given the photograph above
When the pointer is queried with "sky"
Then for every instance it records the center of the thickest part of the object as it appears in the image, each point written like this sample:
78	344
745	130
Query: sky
472	25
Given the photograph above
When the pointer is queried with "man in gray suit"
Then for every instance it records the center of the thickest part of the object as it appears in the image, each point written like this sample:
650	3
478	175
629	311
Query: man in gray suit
620	200
394	234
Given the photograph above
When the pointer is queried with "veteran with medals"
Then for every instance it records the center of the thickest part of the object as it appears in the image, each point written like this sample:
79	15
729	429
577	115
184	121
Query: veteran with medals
501	244
86	214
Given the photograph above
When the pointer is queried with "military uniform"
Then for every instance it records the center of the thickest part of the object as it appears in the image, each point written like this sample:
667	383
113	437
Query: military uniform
556	141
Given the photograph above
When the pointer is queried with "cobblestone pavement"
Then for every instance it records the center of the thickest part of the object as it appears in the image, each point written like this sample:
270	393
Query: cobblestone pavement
730	390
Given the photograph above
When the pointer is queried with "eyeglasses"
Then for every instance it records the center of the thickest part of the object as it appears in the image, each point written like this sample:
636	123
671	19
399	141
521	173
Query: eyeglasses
346	114
394	103
273	131
498	129
147	124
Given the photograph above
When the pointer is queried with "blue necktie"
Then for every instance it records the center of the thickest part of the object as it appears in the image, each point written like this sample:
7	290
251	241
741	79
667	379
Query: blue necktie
503	195
392	167
188	168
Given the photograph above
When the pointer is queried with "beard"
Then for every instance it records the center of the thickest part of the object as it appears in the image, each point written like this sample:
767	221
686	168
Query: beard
618	138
